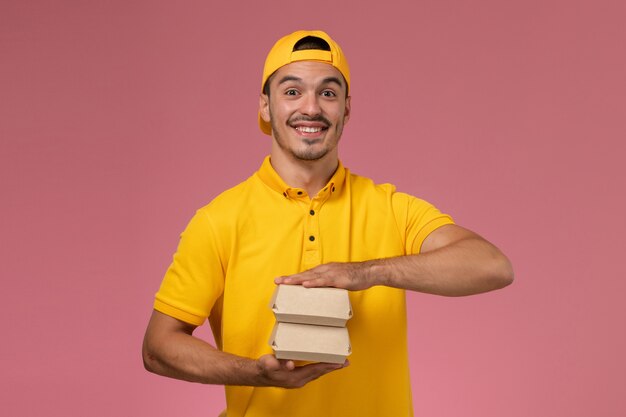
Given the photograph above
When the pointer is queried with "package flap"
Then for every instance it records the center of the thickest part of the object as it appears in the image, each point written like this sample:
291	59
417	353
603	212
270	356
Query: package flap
321	306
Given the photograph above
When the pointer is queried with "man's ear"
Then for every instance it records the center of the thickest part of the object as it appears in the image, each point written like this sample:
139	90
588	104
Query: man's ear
264	107
346	115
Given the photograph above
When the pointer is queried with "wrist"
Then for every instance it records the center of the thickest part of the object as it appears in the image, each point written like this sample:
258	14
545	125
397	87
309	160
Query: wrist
240	371
377	272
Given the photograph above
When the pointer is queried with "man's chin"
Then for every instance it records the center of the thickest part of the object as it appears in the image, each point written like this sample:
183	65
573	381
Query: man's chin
310	155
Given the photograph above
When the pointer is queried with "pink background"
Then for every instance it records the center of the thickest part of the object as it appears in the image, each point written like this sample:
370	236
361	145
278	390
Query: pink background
118	119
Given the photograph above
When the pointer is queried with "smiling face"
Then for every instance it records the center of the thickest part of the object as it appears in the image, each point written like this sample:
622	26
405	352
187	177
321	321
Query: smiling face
307	108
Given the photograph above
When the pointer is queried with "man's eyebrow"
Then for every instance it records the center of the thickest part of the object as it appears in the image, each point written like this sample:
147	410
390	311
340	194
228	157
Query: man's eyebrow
333	80
289	78
326	80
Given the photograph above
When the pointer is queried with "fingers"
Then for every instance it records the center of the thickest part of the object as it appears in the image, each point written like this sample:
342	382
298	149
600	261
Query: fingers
296	279
313	281
311	372
284	373
304	281
353	276
320	276
318	282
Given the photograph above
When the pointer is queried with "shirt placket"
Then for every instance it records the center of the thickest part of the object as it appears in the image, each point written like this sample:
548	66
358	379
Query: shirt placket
312	247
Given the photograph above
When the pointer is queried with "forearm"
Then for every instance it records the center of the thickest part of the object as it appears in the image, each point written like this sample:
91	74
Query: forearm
188	358
468	266
176	353
170	349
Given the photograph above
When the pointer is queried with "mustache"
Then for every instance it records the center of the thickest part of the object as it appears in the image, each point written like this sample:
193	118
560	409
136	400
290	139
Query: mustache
318	118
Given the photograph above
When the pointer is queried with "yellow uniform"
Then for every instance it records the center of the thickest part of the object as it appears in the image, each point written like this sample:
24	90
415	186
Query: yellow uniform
234	247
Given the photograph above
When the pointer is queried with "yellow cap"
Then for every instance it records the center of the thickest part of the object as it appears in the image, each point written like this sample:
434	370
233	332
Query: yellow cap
282	53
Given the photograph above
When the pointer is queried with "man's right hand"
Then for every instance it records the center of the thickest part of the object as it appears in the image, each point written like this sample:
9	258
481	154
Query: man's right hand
283	373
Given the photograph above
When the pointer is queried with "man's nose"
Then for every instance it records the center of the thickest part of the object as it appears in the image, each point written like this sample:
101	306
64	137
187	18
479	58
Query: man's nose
310	105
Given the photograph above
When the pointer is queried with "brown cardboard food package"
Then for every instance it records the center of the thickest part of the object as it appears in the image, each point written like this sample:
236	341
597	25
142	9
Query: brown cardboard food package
319	306
309	342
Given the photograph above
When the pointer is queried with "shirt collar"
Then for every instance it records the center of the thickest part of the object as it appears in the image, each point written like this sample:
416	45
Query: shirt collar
270	177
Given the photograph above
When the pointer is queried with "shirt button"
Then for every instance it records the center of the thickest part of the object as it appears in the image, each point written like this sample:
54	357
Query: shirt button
312	212
299	192
311	238
285	194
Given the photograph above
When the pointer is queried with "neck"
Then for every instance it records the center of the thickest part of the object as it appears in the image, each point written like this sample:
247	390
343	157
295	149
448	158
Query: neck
311	176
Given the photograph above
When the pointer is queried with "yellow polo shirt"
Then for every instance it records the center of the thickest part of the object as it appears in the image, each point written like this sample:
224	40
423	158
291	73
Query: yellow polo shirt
233	248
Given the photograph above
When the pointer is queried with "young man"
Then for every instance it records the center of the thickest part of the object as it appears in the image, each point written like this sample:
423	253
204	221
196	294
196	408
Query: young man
304	219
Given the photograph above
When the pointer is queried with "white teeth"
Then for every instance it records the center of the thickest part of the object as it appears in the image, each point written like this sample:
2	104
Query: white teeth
309	129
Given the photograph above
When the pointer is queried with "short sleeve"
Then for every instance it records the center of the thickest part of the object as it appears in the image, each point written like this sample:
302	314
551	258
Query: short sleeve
195	278
417	218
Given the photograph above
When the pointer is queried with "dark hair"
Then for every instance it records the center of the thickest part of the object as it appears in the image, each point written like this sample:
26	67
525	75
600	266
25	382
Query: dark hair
308	42
311	42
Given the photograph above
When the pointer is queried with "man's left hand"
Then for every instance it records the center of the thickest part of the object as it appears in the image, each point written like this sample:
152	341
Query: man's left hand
353	276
